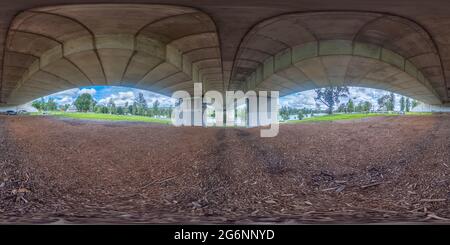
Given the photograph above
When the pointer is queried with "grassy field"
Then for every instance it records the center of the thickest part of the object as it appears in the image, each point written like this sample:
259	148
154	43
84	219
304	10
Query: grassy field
133	118
338	117
108	117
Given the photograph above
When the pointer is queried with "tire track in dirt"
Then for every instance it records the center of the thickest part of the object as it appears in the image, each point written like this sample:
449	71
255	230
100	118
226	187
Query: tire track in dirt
215	176
270	158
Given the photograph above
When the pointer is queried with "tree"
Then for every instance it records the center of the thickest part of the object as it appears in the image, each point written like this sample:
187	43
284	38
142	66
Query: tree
104	110
350	106
330	96
141	104
382	102
414	104
408	105
391	102
65	107
366	106
125	109
93	104
38	104
387	102
402	104
111	106
83	102
120	110
342	108
300	115
284	113
134	110
156	107
130	109
359	107
98	109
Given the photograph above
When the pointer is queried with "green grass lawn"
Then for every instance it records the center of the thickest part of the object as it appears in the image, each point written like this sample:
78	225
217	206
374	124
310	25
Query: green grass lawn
108	117
133	118
338	117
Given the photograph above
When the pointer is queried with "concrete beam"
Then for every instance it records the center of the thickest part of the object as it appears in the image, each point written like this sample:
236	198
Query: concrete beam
337	63
152	50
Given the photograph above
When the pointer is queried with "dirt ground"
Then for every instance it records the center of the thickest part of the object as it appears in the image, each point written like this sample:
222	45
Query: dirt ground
387	169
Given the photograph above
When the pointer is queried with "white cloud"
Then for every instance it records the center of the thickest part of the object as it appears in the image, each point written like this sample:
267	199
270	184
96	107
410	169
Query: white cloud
90	91
299	100
120	98
64	100
357	94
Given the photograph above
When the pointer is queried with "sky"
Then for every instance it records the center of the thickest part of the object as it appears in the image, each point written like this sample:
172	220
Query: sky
103	94
357	94
121	95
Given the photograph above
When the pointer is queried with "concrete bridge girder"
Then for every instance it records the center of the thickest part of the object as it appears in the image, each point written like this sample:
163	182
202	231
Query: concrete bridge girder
337	63
301	51
164	48
157	54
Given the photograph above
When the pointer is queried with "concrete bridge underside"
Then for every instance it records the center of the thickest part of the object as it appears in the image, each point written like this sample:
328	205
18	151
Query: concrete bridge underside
289	46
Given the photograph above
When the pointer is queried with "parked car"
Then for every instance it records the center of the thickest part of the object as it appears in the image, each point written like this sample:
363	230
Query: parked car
11	112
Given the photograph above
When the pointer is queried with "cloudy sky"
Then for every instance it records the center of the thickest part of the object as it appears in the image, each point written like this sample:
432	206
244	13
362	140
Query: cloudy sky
102	94
121	95
357	94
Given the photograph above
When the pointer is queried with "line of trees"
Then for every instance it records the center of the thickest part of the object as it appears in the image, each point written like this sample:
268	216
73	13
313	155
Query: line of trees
331	96
86	103
350	107
42	105
386	102
406	104
286	111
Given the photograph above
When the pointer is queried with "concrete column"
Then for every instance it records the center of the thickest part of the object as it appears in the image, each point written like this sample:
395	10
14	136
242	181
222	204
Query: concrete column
252	111
197	111
262	115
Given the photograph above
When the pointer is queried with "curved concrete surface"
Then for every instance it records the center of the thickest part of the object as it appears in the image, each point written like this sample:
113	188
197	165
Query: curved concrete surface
285	45
337	63
297	52
159	48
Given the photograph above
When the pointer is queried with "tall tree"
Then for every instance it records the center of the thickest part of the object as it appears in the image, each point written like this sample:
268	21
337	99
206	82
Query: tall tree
342	107
125	109
65	107
141	104
391	103
331	96
402	104
366	106
382	101
414	104
284	113
111	106
387	102
51	105
134	109
83	102
120	110
156	107
38	104
359	107
350	106
408	105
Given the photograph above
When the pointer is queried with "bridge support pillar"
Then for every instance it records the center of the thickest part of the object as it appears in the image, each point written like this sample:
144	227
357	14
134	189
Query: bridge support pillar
261	111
